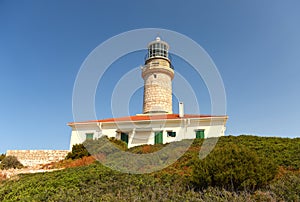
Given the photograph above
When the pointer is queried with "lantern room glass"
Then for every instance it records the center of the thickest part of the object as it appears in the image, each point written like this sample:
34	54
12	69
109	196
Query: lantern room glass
157	50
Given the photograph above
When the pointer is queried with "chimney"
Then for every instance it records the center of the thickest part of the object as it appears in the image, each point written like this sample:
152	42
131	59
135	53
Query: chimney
181	110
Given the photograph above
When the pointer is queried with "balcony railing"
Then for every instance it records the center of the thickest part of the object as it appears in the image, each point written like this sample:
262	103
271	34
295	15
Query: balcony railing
157	55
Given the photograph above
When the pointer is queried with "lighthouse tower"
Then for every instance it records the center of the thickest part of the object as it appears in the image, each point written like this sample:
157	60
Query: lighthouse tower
157	74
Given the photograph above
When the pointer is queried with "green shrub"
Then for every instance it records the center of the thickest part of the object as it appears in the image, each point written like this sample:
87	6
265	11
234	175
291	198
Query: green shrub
287	187
96	182
146	149
93	147
10	162
233	168
2	156
283	151
78	151
119	143
105	145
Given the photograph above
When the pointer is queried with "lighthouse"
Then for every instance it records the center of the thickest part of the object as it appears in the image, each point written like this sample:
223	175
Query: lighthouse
158	74
158	124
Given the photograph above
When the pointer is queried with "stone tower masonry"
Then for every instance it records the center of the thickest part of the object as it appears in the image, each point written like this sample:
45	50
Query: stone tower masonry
157	74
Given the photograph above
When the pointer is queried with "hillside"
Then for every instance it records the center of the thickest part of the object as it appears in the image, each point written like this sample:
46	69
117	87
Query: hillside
177	182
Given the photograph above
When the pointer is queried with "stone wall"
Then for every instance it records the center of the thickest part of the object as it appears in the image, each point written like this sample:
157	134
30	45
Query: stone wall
35	157
157	75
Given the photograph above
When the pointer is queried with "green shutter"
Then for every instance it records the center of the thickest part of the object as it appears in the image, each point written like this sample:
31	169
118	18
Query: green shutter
200	134
124	137
158	139
89	136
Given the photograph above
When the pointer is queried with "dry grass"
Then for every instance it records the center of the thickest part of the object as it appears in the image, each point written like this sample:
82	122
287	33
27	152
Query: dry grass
86	160
69	163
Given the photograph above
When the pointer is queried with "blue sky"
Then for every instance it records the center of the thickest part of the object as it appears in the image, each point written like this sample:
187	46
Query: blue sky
254	44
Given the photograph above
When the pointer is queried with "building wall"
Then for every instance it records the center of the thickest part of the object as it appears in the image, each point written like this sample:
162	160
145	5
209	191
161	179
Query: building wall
140	137
142	133
36	157
79	132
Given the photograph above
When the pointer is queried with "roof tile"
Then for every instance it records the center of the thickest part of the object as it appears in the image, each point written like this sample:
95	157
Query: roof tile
146	117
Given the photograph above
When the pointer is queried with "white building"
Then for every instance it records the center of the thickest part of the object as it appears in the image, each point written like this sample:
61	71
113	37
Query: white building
157	124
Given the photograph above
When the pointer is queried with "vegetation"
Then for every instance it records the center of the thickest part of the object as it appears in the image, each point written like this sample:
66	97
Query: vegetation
81	150
10	162
244	168
283	151
78	152
233	168
2	156
287	187
119	144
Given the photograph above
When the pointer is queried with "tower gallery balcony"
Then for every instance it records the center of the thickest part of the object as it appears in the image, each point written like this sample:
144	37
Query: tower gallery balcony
150	60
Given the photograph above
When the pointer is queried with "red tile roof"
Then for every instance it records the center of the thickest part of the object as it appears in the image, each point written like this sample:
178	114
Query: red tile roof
147	117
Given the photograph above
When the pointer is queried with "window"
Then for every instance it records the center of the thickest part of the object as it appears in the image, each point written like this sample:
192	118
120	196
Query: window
171	134
89	136
165	53
157	49
199	134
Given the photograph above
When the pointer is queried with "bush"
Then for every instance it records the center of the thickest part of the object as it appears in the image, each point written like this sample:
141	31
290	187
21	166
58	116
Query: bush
287	187
2	156
96	182
78	151
233	168
119	143
10	162
284	152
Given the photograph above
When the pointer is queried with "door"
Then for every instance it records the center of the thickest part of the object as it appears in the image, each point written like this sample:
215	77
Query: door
200	134
158	139
124	137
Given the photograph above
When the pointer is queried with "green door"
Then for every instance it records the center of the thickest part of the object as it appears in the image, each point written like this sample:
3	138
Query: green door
124	137
158	137
200	134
